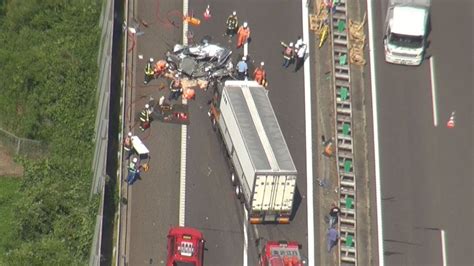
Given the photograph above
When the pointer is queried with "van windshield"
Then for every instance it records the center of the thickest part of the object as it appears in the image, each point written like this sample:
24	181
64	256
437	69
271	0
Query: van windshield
406	40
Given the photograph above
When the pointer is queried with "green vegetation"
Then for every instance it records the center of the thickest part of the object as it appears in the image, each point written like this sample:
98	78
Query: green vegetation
48	74
8	196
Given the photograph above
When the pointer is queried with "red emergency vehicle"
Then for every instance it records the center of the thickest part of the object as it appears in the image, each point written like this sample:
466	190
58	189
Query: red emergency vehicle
185	247
280	253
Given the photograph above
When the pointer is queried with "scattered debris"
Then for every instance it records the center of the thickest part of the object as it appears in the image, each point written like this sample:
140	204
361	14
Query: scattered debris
317	21
357	41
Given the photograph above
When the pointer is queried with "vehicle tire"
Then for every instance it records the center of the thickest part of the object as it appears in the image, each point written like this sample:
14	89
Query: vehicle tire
260	243
241	195
238	193
232	178
213	123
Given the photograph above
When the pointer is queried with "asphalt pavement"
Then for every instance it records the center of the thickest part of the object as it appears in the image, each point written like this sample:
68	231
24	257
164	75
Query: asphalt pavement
153	201
427	171
287	97
211	206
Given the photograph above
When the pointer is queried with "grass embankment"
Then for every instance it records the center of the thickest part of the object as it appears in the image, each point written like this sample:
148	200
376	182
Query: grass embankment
9	194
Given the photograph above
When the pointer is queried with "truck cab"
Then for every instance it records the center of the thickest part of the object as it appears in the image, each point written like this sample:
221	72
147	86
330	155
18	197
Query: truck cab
185	247
406	28
279	253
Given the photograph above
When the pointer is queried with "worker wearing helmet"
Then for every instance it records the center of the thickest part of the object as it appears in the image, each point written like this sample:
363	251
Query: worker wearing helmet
259	74
160	68
288	54
133	171
232	24
189	94
145	118
243	34
242	68
149	71
300	56
127	144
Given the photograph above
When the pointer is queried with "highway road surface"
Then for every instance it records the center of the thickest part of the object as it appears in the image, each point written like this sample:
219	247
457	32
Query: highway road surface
427	172
211	205
153	201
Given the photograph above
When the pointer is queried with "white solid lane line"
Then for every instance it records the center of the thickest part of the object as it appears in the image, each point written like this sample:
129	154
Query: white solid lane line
309	135
433	91
443	247
184	137
182	185
370	16
246	246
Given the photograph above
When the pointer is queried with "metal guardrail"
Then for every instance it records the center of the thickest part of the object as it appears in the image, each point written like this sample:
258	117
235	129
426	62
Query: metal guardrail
344	135
120	251
102	124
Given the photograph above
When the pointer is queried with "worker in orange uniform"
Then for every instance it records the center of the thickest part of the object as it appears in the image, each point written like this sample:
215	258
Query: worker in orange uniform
243	34
189	94
259	75
160	68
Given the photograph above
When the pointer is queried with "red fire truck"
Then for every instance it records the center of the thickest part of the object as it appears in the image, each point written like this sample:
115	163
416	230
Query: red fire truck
279	253
185	247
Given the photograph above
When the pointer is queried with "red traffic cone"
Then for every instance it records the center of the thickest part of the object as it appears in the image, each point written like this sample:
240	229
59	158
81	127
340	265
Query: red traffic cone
451	122
207	13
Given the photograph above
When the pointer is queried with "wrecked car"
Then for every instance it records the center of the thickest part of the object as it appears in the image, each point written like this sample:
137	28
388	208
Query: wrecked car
201	60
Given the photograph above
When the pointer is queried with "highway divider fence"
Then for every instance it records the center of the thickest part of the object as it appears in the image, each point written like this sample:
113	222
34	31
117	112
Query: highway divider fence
99	162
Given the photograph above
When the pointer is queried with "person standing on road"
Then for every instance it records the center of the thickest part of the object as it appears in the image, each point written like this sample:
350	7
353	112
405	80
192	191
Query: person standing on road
127	145
133	171
160	68
145	118
232	24
176	89
300	57
288	54
333	215
243	35
259	74
242	68
298	43
332	237
149	71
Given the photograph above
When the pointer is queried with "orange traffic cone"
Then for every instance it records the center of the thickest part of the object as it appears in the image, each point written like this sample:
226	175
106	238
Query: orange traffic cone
451	123
207	13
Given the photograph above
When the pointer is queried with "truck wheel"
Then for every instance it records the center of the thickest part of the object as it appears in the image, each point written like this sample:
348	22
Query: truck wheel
232	178
260	243
238	192
213	121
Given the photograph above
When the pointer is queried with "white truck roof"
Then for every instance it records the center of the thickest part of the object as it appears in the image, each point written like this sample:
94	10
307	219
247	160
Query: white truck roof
409	20
259	127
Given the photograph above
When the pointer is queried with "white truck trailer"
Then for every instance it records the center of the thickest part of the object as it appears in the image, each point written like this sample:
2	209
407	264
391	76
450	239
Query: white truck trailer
263	171
406	30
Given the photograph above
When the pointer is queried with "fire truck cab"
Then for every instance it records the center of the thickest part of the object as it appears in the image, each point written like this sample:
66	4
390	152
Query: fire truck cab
279	253
185	247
